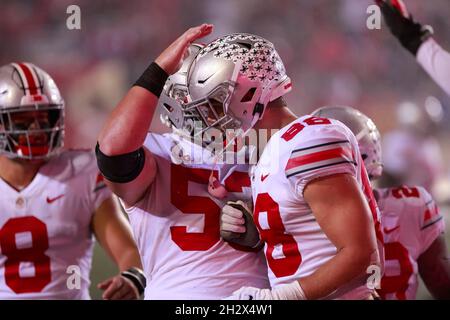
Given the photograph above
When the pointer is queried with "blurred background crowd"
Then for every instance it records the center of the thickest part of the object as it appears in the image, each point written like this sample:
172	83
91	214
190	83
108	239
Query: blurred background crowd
330	54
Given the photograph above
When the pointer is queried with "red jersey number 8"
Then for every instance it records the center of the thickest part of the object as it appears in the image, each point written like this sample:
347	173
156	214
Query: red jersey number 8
275	235
34	254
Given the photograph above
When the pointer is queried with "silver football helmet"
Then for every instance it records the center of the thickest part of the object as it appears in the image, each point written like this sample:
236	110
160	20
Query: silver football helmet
31	112
175	95
232	80
366	132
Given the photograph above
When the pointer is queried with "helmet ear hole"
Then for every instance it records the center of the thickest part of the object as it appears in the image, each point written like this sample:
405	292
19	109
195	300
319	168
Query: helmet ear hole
249	95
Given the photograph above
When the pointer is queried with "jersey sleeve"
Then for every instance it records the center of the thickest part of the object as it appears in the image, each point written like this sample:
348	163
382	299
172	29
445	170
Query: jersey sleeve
323	151
159	145
96	187
100	191
431	221
436	62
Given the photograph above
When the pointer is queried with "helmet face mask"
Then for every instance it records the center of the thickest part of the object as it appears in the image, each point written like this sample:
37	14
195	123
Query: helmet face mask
365	131
31	113
210	112
32	133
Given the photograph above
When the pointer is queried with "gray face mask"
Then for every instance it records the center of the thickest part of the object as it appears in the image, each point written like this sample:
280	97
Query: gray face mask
25	138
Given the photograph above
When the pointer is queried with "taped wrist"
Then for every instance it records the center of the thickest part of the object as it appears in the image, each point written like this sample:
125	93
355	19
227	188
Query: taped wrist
153	79
136	276
121	168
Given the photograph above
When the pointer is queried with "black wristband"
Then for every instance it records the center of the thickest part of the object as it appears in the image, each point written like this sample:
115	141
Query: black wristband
153	79
137	277
121	168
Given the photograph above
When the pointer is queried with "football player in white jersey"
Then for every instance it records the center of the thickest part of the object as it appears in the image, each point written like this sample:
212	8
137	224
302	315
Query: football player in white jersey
164	184
413	228
412	225
308	186
53	202
418	40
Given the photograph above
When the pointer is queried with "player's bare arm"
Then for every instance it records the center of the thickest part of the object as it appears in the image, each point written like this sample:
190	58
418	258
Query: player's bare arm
434	269
355	248
344	216
114	235
346	222
125	130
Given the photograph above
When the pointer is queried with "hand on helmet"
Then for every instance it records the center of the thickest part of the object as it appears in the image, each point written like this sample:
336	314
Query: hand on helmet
172	58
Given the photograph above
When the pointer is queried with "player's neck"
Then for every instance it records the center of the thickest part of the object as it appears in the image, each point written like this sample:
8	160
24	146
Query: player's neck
276	117
18	173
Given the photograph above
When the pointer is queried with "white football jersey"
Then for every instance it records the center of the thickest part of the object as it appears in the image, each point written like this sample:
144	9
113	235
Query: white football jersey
411	222
45	230
295	244
176	227
436	62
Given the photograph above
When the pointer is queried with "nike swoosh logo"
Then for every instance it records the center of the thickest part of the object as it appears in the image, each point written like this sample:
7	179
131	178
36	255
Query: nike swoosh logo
206	79
390	230
263	177
50	200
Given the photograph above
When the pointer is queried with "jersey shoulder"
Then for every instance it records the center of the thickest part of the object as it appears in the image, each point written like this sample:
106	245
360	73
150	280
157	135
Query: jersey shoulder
309	131
415	202
411	196
176	149
159	144
72	163
317	143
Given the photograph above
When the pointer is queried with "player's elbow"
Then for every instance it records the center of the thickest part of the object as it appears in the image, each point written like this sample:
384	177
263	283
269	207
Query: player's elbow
106	142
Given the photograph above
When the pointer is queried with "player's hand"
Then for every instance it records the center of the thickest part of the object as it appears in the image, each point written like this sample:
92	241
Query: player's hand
237	226
118	288
402	25
232	218
172	58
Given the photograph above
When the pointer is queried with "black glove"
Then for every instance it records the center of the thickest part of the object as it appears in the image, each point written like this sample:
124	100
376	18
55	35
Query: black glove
228	222
402	25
